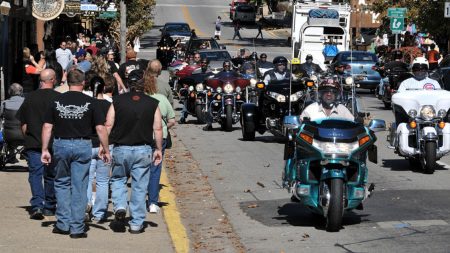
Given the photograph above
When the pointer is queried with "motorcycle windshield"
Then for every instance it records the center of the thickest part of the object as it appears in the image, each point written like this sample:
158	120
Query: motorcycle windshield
334	130
282	87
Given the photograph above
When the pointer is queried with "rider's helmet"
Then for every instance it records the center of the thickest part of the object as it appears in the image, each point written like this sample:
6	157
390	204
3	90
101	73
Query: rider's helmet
420	68
263	56
309	59
280	63
329	93
226	66
397	55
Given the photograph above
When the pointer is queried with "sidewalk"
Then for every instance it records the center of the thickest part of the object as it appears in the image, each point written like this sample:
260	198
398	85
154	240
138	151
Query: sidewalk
18	233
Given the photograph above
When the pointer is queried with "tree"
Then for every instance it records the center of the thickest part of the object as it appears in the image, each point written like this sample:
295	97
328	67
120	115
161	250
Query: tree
426	14
139	19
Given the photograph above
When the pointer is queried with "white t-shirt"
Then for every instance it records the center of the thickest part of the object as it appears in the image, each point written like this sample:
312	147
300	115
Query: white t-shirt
64	57
315	111
425	84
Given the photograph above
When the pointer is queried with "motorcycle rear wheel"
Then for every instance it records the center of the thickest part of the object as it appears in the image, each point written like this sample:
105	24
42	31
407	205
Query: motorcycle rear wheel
336	206
429	160
200	115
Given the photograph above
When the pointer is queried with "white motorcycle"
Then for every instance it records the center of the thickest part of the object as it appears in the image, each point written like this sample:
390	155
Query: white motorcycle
423	136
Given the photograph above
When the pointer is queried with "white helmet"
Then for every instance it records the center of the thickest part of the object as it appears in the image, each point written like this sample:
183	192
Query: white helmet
420	60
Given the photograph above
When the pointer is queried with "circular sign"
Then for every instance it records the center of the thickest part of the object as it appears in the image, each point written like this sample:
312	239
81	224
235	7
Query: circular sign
47	9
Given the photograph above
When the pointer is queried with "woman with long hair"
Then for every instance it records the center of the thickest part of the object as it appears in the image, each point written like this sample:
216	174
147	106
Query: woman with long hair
101	66
168	116
31	70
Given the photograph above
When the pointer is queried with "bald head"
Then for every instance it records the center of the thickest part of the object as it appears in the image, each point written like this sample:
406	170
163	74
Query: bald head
154	67
48	78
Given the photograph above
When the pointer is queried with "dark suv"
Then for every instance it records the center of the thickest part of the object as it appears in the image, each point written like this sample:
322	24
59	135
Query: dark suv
201	43
177	30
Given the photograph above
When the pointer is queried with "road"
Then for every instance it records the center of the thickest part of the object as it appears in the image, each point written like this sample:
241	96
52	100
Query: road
409	211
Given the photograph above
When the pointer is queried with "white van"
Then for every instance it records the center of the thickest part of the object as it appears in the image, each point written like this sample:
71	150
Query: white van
245	13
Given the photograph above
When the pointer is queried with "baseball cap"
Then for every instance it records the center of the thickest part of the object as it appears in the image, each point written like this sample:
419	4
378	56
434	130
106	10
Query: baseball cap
136	75
80	52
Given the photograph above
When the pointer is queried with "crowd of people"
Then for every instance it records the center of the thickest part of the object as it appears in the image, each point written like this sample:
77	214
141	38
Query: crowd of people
88	123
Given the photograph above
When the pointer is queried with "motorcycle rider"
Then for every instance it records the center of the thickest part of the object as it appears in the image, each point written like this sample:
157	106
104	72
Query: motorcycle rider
204	67
226	70
328	105
263	65
397	65
280	71
309	67
420	79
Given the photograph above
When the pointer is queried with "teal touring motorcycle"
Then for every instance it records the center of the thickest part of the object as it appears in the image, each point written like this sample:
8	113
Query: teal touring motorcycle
326	164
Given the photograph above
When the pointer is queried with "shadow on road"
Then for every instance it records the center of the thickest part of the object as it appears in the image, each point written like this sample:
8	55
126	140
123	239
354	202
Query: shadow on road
269	139
404	165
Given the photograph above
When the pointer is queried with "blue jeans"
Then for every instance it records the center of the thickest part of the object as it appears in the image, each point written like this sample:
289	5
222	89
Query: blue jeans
72	160
42	196
100	171
131	161
155	175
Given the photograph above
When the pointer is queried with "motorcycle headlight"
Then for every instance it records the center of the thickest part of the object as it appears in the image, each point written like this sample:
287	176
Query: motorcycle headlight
427	112
253	82
314	78
199	87
191	88
412	113
280	98
349	80
296	96
442	113
335	148
238	89
219	89
228	88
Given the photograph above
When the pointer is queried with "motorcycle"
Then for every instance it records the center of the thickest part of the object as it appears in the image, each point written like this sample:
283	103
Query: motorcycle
391	81
422	134
195	96
227	98
326	167
275	101
164	53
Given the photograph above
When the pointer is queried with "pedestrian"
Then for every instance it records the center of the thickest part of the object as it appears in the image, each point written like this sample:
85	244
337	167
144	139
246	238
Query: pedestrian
64	56
103	67
71	118
259	30
11	125
134	121
31	70
433	57
237	27
154	68
131	64
97	206
218	28
31	115
82	64
168	120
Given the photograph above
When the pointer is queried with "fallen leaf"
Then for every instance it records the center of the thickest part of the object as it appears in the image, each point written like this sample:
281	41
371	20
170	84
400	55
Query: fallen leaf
267	165
218	163
305	235
247	190
252	206
260	184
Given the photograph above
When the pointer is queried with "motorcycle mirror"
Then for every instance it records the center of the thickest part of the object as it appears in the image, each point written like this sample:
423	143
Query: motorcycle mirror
377	125
372	153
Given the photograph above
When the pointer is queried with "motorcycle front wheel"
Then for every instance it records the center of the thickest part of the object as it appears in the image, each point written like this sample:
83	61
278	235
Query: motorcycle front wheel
336	206
229	118
200	115
429	159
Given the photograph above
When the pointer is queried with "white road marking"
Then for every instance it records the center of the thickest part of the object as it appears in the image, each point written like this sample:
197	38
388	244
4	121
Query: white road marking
411	223
193	6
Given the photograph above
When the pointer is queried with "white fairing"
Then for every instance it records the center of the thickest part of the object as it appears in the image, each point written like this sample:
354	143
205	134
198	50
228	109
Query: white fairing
403	147
415	99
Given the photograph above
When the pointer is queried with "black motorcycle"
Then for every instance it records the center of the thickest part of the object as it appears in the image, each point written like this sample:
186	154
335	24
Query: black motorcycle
165	53
276	100
391	81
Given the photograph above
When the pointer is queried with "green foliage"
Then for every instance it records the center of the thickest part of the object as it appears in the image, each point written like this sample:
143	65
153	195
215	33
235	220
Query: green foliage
426	14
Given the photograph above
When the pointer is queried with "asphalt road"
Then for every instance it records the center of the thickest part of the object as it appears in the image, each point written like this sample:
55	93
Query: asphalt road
409	211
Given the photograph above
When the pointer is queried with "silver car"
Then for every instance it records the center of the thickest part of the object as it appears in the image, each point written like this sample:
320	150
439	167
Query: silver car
216	58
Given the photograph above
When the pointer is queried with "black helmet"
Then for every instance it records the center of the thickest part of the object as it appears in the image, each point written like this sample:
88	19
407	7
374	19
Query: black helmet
397	54
280	60
326	86
263	55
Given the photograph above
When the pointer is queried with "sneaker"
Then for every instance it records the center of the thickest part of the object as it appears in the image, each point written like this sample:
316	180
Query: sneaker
154	208
78	236
48	212
120	215
37	215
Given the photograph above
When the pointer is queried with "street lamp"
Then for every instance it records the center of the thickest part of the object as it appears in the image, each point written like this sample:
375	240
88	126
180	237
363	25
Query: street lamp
5	7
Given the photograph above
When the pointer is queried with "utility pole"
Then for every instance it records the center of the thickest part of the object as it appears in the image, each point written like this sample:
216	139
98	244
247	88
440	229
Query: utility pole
123	31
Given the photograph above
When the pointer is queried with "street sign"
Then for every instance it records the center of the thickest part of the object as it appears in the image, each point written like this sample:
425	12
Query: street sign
397	12
447	10
107	14
397	25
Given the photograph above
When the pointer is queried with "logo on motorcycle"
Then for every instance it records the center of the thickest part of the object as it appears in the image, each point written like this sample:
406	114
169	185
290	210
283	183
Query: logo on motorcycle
428	86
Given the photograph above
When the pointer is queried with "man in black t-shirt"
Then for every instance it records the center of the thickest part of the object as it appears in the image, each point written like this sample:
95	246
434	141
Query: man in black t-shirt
71	116
131	64
132	120
31	115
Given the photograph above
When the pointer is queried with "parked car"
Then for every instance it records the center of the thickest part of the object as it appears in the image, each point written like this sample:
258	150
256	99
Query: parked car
361	65
200	43
177	30
234	4
245	13
216	58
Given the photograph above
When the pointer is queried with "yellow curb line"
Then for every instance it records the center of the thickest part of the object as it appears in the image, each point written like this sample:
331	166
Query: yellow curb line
190	21
172	216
